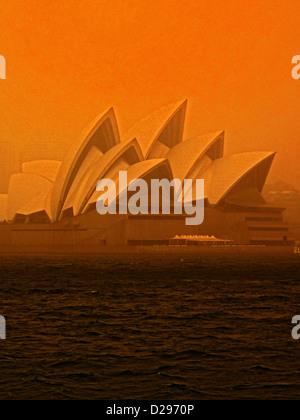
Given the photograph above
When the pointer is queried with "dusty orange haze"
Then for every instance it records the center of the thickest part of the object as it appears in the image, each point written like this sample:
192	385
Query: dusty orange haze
69	60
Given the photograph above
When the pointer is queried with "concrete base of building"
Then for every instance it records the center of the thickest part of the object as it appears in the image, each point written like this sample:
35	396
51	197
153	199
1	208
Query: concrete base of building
248	228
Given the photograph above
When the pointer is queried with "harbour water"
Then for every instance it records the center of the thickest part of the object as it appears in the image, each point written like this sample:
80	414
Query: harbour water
150	327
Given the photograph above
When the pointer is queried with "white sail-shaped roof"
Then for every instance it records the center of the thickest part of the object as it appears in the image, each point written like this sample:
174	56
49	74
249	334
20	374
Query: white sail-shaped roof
159	131
96	140
119	158
186	156
37	205
224	174
24	188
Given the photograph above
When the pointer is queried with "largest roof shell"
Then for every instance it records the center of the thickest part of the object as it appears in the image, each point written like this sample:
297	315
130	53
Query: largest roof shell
97	139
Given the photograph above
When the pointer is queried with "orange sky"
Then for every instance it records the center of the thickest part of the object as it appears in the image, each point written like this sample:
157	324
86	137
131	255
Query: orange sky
69	60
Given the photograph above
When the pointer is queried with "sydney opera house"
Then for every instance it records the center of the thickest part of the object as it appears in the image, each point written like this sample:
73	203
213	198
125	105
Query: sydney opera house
51	205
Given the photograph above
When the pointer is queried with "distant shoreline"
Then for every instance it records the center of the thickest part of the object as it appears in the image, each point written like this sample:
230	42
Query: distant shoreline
160	250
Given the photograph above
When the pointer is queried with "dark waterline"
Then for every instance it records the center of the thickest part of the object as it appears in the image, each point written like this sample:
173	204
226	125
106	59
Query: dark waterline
149	327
